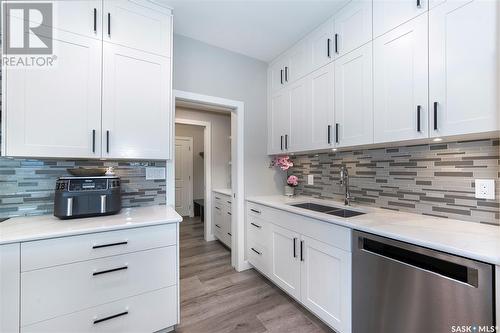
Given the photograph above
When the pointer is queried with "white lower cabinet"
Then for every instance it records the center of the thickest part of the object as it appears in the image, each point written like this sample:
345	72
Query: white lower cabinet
10	262
113	293
221	224
308	259
326	282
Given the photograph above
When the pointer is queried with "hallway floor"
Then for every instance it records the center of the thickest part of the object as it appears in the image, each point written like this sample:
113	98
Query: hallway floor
215	298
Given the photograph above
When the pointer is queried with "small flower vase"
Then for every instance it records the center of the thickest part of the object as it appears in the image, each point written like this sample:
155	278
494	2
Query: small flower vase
289	191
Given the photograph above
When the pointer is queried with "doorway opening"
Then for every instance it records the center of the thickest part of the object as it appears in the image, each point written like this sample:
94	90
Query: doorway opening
219	172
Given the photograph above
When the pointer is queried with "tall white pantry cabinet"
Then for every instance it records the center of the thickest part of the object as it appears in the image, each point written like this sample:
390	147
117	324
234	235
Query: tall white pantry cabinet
108	94
403	71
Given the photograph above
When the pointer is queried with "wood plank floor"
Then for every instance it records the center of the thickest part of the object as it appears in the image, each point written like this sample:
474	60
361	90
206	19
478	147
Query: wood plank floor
215	298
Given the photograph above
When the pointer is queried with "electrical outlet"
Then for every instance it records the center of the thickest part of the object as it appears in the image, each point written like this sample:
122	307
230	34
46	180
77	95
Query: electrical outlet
310	179
485	188
153	173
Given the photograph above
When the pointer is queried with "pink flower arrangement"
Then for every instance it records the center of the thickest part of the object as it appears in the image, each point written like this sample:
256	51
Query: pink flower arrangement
292	181
282	162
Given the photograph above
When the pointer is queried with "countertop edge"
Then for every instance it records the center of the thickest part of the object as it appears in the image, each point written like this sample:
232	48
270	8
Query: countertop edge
494	260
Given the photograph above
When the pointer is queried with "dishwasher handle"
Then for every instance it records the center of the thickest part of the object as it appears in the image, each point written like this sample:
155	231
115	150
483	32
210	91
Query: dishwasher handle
422	259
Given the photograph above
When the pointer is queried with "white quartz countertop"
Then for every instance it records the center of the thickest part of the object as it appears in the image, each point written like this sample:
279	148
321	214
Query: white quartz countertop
23	229
225	191
467	239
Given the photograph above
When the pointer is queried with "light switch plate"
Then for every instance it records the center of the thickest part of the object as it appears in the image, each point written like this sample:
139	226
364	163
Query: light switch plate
310	179
153	173
485	188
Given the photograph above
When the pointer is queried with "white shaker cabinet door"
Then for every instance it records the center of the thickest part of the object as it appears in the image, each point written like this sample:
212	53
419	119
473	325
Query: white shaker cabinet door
353	26
321	45
136	108
326	283
401	83
296	138
278	121
285	254
353	98
320	129
10	276
56	111
83	17
138	24
388	14
464	66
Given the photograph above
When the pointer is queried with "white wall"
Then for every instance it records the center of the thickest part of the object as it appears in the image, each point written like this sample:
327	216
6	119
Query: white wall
197	133
221	145
205	69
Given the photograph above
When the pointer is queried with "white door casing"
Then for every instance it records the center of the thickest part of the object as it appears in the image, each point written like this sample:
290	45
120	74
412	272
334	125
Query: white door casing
184	175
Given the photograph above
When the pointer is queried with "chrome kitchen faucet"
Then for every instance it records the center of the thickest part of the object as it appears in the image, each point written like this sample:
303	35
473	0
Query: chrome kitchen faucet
344	180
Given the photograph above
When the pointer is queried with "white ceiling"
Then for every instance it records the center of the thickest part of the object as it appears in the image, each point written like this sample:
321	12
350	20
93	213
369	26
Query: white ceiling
259	29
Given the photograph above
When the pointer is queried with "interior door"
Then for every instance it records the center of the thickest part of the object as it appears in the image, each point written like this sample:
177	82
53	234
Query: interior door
136	108
463	67
353	97
285	254
401	82
321	117
183	175
353	26
56	111
138	24
326	283
388	14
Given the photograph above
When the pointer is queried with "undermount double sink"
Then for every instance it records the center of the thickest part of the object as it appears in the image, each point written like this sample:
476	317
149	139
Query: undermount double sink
340	212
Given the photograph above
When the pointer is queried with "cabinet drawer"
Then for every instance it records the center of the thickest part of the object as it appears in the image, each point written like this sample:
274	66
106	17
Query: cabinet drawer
259	256
258	229
51	292
259	211
222	200
132	314
65	250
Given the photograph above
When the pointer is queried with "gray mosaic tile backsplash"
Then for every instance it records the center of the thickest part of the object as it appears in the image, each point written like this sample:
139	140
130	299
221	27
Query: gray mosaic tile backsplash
27	186
436	179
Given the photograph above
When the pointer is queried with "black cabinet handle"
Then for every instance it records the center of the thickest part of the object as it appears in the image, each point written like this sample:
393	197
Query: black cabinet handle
282	142
419	4
109	245
256	225
229	213
329	134
93	141
229	202
328	42
286	141
217	207
107	141
254	250
110	270
301	250
109	24
255	211
435	116
419	108
218	226
337	132
337	43
229	234
281	75
95	19
295	247
286	73
111	317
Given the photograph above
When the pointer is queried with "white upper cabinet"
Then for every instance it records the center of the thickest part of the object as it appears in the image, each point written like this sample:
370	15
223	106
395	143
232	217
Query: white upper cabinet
136	100
138	24
401	82
296	137
354	98
296	62
464	67
276	75
353	26
320	44
388	14
279	121
320	119
83	17
56	111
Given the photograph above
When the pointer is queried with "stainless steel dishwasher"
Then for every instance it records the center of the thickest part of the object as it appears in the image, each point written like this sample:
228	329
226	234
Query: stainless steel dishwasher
402	288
